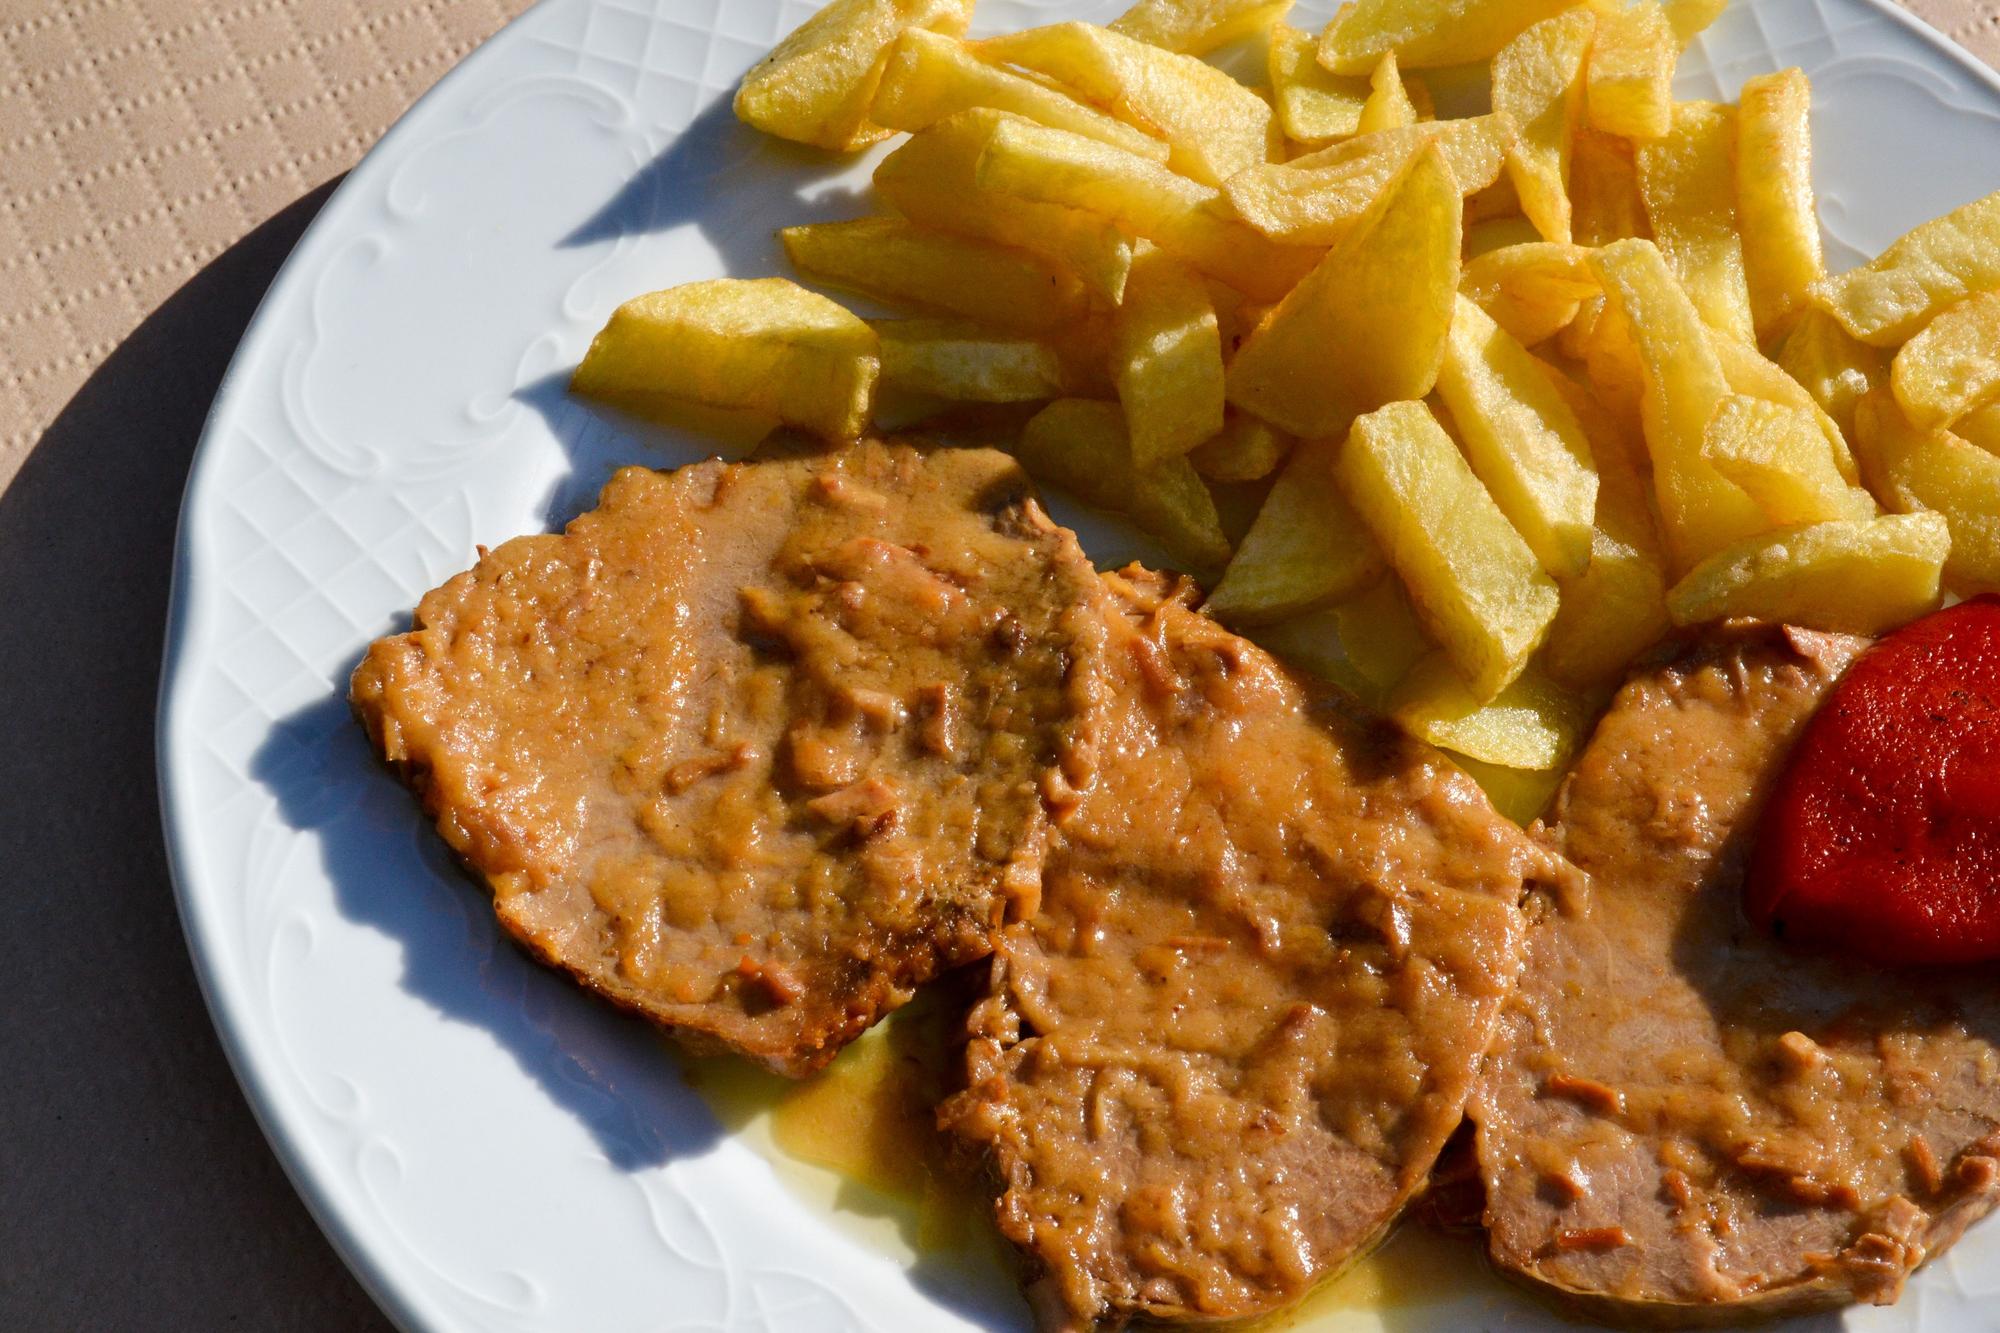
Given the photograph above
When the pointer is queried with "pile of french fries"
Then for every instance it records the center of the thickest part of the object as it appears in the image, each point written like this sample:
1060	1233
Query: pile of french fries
1516	391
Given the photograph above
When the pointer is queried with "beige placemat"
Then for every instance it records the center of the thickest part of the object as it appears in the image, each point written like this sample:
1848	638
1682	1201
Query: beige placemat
140	138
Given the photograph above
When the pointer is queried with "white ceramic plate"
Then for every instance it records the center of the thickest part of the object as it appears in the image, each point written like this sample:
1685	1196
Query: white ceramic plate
487	1147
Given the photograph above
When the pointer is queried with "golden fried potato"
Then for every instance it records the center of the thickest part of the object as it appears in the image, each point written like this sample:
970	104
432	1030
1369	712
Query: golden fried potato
1779	457
816	86
1935	265
1774	197
1604	200
929	77
1688	17
1833	366
1980	427
1858	577
740	354
1040	165
1522	439
1748	371
1521	794
1166	359
966	363
1307	547
1215	125
901	263
1246	449
1682	385
1317	199
1953	365
1081	446
1629	87
1477	587
1912	470
1689	183
1314	105
1533	724
1425	33
1366	327
1601	340
1532	290
1196	27
1388	106
1538	83
1380	636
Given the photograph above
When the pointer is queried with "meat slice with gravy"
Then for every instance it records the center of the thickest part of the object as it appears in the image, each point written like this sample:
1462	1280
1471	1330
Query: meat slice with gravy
1273	940
1684	1122
752	749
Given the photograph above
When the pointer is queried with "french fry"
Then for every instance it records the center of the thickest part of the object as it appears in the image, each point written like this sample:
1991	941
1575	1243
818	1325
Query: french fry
1601	339
1380	635
1215	125
1477	588
1520	794
1688	17
1318	199
1980	427
1388	106
1604	200
1367	326
1246	449
1196	27
901	263
1425	33
1533	724
1953	365
1522	439
817	84
1532	290
1167	359
1682	384
1779	457
748	351
1857	577
929	77
1629	87
1314	106
1689	184
1935	265
1747	371
1774	197
931	180
1912	470
1306	548
1031	162
963	362
1832	365
1082	447
1538	83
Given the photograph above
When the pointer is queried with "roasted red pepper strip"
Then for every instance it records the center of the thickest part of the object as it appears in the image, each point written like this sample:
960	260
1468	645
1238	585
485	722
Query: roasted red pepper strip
1882	838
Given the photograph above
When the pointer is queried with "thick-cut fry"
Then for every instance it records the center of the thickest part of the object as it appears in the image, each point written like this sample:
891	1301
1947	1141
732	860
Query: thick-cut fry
1538	83
1601	340
1629	87
1167	359
1381	637
930	76
903	264
1774	196
1032	162
1531	290
1912	470
1980	427
1388	106
1604	200
1477	588
1689	184
816	86
1779	457
1682	384
1953	365
1318	198
1314	105
1747	371
1856	577
1832	365
1522	439
1688	17
1935	265
1366	327
1425	33
1533	724
1307	547
758	350
931	180
1215	125
1082	447
1196	27
962	362
1246	449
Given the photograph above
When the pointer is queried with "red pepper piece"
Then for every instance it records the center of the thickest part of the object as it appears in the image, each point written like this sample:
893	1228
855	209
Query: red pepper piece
1882	836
